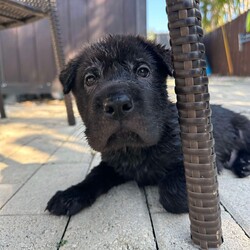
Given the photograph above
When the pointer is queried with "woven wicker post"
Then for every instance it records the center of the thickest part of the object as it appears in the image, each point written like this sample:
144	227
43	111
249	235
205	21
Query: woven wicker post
196	128
59	55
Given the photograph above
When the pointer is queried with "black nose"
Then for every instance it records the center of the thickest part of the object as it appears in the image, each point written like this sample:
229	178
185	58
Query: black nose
118	106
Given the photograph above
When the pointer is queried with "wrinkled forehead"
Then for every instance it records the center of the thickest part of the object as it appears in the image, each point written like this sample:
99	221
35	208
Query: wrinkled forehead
108	54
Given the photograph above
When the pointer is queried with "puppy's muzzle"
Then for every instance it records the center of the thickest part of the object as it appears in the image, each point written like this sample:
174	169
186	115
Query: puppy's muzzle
118	106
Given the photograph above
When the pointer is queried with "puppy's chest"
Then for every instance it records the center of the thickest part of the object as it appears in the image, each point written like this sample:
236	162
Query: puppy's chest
136	166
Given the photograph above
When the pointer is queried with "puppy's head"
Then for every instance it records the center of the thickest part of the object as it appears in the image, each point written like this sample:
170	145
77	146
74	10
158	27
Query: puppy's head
119	84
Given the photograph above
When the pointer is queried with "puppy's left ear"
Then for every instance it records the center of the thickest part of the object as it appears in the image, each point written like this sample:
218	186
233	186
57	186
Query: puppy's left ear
166	56
68	75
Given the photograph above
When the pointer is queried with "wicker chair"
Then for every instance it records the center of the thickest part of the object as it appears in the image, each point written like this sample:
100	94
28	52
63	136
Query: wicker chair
20	12
195	121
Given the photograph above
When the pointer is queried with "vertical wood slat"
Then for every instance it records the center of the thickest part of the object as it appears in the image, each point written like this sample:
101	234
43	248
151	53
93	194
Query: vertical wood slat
129	16
56	37
77	25
97	20
195	121
26	41
44	52
113	26
141	17
10	57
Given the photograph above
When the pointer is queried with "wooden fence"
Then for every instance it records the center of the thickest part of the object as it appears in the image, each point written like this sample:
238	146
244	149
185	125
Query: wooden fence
216	53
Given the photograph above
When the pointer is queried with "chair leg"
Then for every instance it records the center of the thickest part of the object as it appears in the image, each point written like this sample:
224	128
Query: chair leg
2	110
69	109
199	157
59	55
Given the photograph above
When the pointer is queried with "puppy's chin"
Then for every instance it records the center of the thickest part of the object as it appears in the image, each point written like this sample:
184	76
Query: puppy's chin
125	139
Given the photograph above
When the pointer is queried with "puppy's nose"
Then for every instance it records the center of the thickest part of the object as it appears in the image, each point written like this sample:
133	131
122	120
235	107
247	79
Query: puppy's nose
118	106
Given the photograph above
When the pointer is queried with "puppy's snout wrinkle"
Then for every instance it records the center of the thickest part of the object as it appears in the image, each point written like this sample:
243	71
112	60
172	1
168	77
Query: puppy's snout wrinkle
118	106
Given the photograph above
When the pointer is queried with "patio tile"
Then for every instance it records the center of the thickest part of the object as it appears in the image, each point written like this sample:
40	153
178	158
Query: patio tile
116	221
12	177
173	231
31	232
235	196
73	150
32	198
16	173
37	151
6	191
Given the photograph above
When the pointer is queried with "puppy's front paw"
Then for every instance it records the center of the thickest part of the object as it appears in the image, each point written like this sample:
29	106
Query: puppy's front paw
241	165
242	170
69	202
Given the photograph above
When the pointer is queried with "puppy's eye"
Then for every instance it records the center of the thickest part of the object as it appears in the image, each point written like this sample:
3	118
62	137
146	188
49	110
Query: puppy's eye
143	71
89	79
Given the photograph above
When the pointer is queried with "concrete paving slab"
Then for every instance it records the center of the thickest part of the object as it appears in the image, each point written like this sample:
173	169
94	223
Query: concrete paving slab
8	144
6	191
231	93
235	196
38	113
35	152
64	155
73	150
118	220
28	123
22	139
234	237
16	173
32	198
173	231
31	232
12	177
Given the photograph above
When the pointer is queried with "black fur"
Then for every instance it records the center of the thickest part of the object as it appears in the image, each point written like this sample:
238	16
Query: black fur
119	85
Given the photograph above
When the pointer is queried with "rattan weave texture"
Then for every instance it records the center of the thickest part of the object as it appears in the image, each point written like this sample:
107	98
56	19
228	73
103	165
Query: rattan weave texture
16	13
195	121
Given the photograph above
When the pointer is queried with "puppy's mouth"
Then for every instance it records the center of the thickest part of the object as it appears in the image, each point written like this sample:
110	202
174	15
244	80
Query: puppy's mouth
124	138
121	135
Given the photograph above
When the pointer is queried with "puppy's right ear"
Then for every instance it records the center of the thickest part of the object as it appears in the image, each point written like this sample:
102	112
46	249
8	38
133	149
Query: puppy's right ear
68	75
166	57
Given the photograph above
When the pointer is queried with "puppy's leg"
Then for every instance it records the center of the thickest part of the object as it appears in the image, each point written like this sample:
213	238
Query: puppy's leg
173	194
239	161
241	164
72	200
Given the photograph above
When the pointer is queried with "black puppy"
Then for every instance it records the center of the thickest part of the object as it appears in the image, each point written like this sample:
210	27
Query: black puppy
119	85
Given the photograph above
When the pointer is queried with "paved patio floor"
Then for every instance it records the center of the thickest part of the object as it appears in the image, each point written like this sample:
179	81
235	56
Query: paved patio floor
40	154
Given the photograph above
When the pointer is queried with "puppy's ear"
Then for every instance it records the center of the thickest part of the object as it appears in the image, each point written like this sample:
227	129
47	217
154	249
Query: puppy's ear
166	57
68	75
